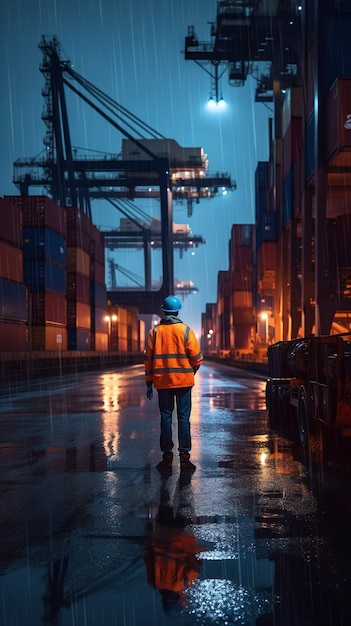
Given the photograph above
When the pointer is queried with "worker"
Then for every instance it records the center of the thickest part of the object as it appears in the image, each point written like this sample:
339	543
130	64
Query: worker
172	358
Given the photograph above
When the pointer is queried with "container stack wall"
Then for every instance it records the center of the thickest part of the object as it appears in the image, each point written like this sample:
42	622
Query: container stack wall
78	280
13	293
98	296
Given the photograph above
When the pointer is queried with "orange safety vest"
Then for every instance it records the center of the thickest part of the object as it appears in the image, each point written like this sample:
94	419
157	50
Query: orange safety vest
172	356
173	565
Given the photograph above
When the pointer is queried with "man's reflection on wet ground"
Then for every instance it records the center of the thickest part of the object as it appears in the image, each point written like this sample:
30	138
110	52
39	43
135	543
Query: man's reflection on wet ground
171	553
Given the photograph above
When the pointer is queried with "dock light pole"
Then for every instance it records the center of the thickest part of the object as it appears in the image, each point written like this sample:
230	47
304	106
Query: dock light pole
264	318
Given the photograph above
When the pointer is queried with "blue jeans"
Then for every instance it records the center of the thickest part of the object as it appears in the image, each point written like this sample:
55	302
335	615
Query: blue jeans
166	405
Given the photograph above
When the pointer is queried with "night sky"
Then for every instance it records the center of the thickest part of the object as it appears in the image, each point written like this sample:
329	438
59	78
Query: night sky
133	50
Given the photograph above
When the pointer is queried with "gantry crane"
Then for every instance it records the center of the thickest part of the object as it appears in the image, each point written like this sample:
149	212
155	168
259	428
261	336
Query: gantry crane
73	180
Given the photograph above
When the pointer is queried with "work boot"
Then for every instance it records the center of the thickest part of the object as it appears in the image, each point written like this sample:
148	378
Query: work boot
166	463
185	463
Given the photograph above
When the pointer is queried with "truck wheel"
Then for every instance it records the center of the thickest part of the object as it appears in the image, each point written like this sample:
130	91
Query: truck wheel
303	416
271	404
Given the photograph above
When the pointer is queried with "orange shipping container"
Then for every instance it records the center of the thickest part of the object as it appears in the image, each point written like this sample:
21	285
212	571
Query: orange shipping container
78	315
11	262
78	261
48	337
242	299
101	341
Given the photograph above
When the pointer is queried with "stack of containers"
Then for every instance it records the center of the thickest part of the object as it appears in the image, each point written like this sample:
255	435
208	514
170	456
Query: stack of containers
98	297
121	330
13	294
78	280
44	270
133	330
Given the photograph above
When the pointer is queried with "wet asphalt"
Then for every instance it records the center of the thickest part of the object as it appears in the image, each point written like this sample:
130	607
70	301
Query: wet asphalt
93	534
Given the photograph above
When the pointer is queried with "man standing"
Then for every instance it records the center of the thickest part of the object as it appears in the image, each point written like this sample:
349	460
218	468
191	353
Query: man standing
172	357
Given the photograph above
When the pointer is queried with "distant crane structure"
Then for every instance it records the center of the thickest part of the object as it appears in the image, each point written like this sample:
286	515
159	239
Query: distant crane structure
181	287
148	167
260	38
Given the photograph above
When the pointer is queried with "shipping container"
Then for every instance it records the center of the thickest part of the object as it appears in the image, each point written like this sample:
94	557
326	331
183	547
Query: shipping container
13	301
292	144
78	287
267	228
96	246
261	176
13	337
48	337
242	281
100	341
242	337
310	160
288	198
98	319
44	244
242	299
78	315
243	316
78	261
79	339
292	108
338	135
44	275
48	308
11	262
98	295
97	272
10	222
266	257
78	229
41	212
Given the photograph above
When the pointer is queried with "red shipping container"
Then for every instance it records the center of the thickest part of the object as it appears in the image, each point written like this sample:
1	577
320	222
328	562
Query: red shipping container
10	222
48	307
41	211
266	257
13	337
96	246
338	134
78	287
78	229
242	281
97	272
11	262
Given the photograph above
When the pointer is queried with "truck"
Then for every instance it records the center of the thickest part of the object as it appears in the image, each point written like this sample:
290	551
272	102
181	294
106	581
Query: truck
308	392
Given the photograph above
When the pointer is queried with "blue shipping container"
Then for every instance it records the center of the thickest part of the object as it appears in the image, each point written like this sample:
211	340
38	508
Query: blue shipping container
78	339
13	301
43	243
44	276
98	295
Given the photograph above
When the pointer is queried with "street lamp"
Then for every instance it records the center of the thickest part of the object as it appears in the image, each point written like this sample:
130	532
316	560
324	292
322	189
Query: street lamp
264	318
109	319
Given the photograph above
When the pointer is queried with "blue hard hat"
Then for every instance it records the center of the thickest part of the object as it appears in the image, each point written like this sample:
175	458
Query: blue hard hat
171	304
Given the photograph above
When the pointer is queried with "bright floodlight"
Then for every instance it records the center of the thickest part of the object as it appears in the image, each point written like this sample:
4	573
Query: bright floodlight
211	103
